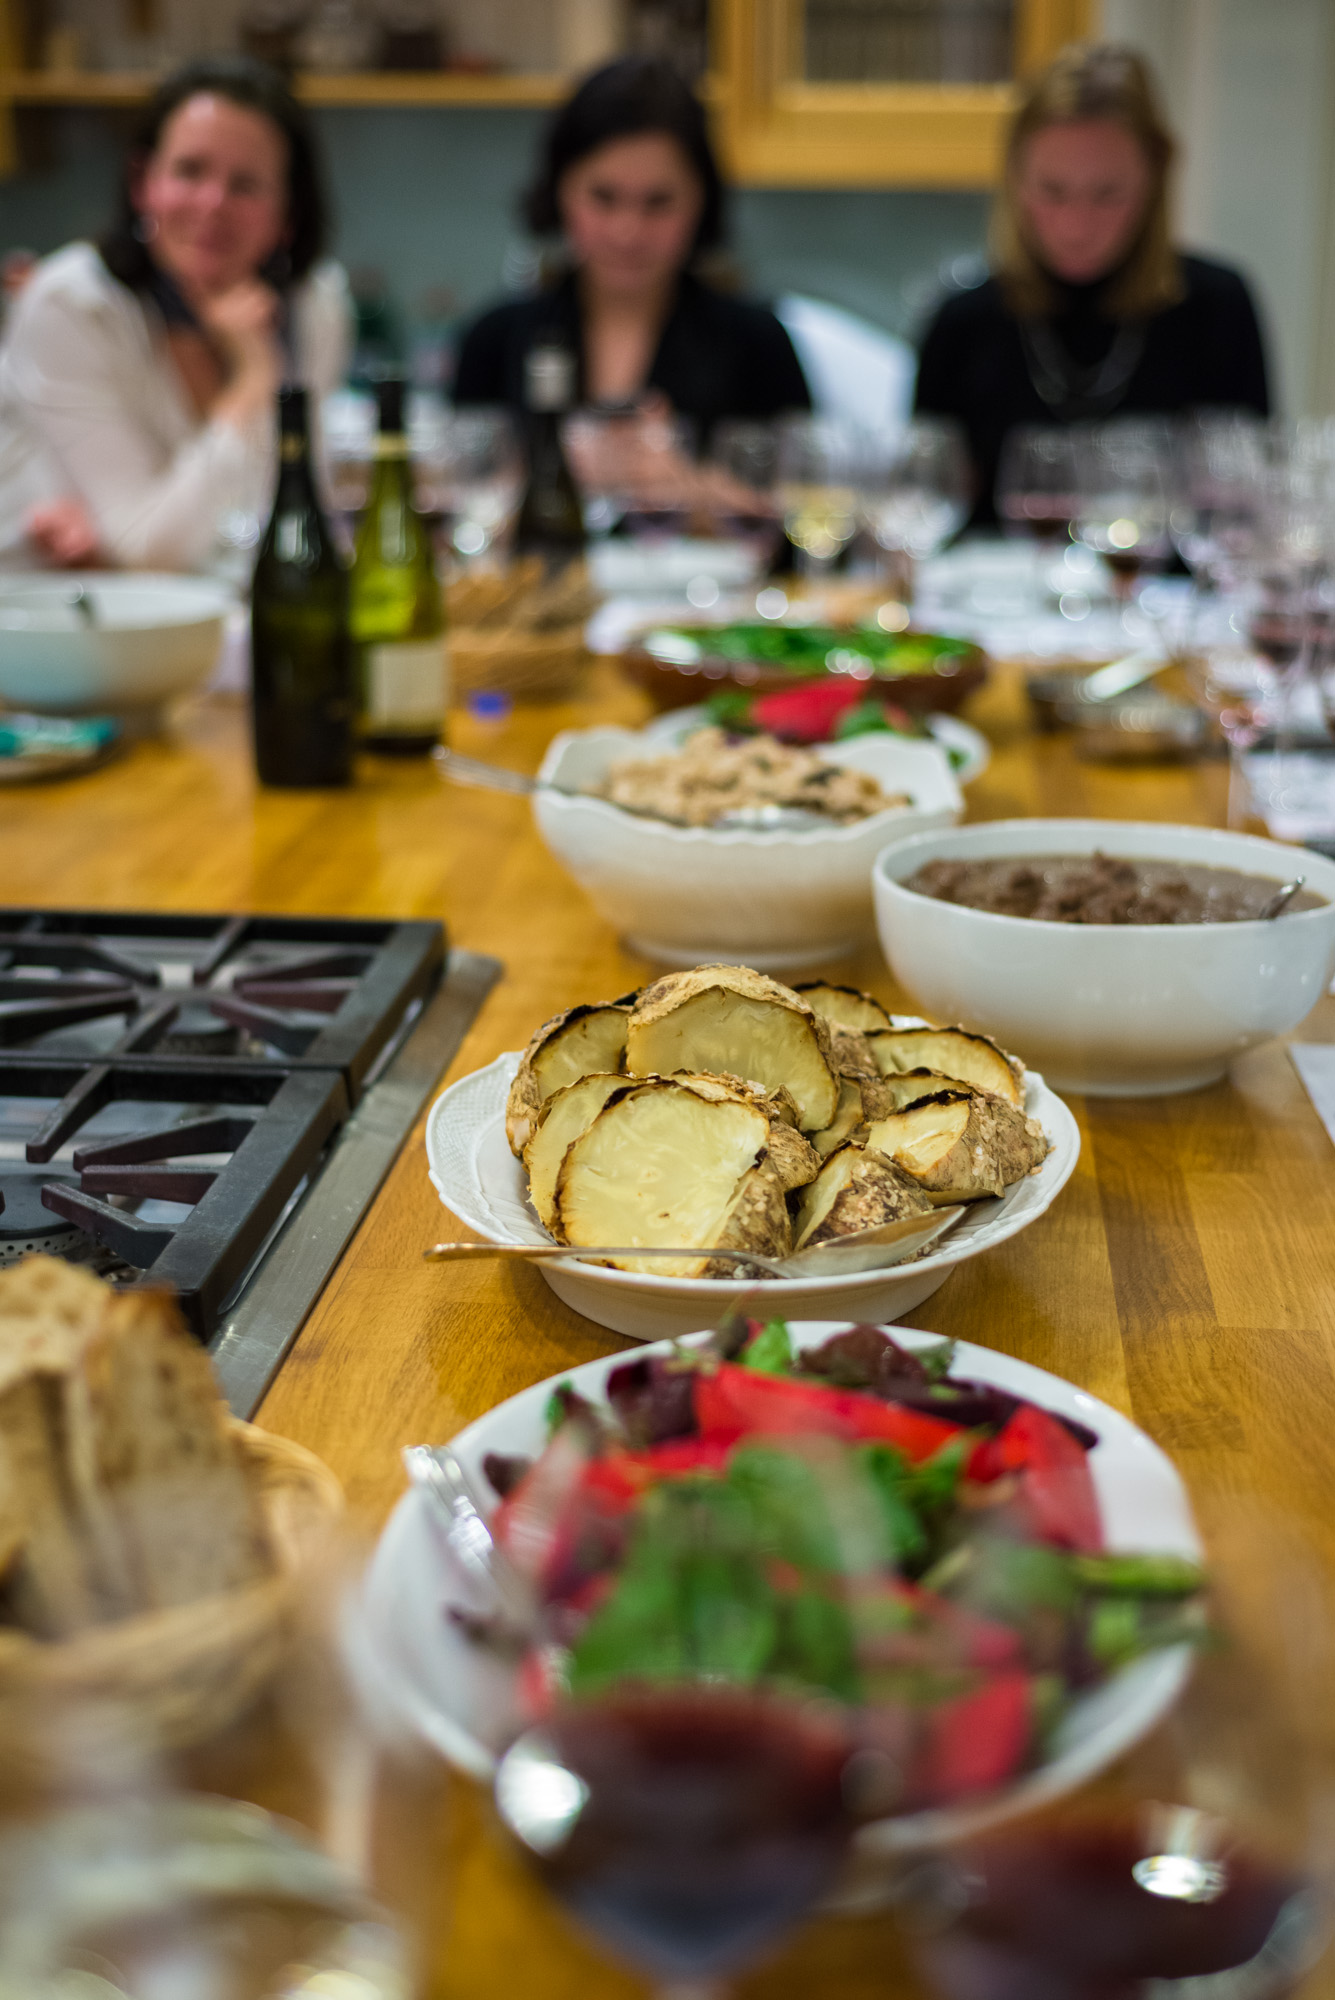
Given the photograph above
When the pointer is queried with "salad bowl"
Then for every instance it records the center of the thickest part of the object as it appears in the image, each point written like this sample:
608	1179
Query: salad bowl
479	1180
425	1675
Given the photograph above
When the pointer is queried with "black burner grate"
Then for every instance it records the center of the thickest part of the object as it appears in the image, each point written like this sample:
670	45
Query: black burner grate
181	1077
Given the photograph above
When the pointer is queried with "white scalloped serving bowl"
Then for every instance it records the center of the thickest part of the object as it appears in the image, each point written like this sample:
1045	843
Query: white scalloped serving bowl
683	895
479	1179
420	1671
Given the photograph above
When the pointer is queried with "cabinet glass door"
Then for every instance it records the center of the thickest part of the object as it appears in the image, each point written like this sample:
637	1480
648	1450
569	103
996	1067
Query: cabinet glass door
908	41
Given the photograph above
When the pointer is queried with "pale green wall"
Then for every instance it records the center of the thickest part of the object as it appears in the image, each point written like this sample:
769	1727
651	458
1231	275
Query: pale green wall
429	197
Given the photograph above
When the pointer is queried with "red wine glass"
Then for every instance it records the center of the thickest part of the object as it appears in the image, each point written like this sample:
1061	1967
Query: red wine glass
689	1826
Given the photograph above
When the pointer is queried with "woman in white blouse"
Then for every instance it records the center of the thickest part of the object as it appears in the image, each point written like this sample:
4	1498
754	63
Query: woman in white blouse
138	375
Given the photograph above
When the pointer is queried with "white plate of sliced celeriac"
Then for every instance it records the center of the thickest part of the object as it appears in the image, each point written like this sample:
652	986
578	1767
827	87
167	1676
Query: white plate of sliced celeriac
721	1110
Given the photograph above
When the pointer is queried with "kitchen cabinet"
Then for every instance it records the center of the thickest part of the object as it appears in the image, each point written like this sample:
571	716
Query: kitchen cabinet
804	93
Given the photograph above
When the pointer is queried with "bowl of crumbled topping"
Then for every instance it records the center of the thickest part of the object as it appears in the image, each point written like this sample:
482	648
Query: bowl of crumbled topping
747	849
715	779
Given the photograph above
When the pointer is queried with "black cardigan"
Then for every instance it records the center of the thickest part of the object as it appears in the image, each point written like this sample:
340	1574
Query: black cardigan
717	356
1205	352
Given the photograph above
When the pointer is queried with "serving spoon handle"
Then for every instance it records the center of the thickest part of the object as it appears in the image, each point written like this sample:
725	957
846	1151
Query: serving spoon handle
866	1250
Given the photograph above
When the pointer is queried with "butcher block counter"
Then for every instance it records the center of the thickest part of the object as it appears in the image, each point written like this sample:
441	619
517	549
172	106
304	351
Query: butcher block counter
1185	1275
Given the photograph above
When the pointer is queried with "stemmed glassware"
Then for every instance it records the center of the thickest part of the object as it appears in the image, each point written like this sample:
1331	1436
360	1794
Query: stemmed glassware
1215	517
1036	483
1200	1868
916	492
469	477
1122	492
818	481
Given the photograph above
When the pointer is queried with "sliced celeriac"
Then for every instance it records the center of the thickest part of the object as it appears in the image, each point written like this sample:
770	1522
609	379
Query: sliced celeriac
954	1052
792	1157
960	1147
662	1163
902	1088
846	1120
582	1041
845	1007
566	1114
855	1189
728	1019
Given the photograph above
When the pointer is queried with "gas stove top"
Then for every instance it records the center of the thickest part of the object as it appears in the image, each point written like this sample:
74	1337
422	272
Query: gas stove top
174	1089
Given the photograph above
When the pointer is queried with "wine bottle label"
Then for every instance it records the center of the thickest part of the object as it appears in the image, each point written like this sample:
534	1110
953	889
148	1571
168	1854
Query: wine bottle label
406	684
549	378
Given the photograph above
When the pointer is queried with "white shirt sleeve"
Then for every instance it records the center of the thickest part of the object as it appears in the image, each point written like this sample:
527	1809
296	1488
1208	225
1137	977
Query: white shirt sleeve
82	367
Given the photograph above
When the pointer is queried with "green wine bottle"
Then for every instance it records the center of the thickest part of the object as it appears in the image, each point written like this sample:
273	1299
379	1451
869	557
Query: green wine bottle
398	619
550	522
302	668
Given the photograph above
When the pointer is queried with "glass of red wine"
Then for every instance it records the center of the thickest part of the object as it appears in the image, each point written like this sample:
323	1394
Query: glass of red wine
688	1826
1036	483
1201	1867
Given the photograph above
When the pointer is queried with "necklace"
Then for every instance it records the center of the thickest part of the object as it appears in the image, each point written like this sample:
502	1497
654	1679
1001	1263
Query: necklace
1073	392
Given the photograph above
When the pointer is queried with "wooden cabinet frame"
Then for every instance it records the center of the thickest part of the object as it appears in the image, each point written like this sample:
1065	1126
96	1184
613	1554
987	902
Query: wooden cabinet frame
776	130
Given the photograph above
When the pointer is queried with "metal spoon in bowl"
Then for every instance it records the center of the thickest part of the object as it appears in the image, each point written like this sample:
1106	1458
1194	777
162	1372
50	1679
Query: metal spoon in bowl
867	1250
1279	902
496	778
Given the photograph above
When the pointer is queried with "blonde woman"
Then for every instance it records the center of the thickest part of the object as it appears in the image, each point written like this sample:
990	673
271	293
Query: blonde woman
1091	311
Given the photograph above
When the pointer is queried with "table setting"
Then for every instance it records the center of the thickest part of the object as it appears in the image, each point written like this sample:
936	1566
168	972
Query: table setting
749	1637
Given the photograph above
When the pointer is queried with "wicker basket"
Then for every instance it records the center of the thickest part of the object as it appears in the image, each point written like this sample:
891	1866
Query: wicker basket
175	1678
532	666
519	631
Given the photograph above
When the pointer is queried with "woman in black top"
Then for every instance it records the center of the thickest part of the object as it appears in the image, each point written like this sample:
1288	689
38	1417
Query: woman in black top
1090	311
629	179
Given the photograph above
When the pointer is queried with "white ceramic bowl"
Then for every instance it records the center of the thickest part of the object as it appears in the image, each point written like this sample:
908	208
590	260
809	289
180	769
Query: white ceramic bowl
685	895
419	1670
480	1180
152	638
1116	1010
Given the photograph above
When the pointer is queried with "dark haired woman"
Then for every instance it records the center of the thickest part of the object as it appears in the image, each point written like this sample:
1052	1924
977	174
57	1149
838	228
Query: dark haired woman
629	180
137	376
1090	312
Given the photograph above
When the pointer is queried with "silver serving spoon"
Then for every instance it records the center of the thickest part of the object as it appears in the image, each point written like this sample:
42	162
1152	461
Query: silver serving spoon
1281	899
867	1250
80	601
495	778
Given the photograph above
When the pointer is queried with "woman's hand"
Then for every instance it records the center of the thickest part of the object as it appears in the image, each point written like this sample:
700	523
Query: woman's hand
63	532
243	323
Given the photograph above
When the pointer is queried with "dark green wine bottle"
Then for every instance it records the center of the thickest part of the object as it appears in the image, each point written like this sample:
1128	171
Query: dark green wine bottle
301	652
551	517
397	614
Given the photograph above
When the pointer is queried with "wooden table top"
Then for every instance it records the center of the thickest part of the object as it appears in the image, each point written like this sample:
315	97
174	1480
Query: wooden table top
1184	1275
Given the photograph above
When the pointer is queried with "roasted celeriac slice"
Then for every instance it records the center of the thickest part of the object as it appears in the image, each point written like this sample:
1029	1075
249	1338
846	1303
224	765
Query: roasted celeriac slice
662	1163
583	1041
902	1088
845	1007
728	1019
855	1189
961	1146
792	1157
567	1112
849	1116
954	1052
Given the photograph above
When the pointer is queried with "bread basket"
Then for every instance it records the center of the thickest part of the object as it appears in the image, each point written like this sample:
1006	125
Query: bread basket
177	1677
518	630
